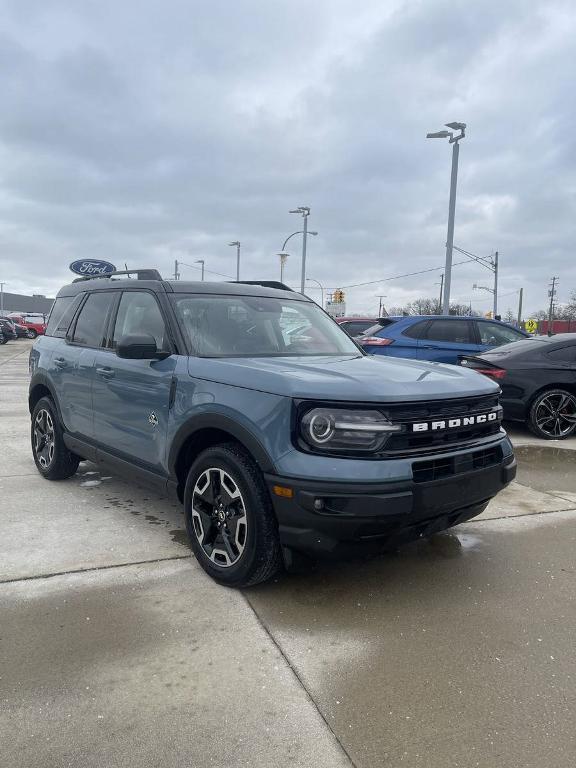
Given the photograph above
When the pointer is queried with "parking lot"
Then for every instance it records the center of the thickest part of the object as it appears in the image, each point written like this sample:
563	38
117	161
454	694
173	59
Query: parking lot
117	650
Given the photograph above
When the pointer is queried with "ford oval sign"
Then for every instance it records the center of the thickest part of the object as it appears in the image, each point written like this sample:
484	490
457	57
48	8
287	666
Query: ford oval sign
92	267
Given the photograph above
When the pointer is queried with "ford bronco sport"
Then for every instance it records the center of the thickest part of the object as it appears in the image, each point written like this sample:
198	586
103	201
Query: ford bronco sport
278	434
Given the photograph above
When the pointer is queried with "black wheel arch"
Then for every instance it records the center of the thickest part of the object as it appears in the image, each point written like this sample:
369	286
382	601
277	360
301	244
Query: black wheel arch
204	431
40	386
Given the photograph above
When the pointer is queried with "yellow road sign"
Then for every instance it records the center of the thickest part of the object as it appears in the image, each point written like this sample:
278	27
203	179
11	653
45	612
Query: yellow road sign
531	326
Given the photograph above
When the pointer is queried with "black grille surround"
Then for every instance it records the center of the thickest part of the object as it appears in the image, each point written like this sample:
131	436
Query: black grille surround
409	443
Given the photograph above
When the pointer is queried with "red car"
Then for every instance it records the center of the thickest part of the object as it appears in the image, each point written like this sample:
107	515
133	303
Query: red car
35	324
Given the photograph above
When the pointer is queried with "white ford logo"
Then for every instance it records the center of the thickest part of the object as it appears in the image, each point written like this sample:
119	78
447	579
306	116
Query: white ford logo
464	421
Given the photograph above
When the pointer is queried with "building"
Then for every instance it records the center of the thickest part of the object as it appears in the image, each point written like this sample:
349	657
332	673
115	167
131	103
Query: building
18	302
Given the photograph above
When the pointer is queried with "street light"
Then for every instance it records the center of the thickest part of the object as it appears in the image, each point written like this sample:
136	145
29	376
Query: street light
237	244
454	140
283	260
2	298
304	211
201	261
319	284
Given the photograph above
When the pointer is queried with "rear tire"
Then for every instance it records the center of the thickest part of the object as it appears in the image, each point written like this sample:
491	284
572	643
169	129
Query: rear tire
229	518
53	460
553	415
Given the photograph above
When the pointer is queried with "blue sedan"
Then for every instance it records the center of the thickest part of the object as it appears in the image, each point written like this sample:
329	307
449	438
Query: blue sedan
438	338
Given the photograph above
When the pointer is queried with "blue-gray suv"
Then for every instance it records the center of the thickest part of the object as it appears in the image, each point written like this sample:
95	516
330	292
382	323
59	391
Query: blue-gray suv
278	434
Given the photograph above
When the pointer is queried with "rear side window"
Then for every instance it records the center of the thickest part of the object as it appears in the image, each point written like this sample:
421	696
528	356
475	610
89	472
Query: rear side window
63	311
454	331
415	331
91	323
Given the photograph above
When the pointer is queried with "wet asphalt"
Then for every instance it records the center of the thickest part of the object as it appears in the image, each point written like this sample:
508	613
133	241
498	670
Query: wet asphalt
116	650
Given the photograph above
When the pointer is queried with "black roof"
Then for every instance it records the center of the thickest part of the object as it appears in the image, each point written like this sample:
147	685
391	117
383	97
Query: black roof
180	286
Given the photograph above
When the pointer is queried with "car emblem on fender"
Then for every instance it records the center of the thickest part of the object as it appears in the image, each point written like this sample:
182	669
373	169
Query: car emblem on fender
153	419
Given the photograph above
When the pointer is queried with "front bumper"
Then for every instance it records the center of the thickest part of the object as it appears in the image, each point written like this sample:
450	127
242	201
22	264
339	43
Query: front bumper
331	519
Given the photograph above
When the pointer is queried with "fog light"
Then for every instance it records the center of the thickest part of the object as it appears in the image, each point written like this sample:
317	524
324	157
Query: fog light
319	504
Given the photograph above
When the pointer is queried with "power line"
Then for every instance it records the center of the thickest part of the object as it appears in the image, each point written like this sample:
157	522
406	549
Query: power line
192	266
408	274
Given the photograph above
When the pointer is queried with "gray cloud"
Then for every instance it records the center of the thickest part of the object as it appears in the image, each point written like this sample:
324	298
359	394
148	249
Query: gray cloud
143	132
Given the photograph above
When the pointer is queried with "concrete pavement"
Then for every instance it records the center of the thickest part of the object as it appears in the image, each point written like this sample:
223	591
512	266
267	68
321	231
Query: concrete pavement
117	650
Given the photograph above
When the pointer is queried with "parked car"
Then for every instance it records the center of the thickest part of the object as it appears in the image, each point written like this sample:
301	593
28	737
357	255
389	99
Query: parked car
538	381
356	326
276	442
438	338
35	324
21	330
8	331
3	339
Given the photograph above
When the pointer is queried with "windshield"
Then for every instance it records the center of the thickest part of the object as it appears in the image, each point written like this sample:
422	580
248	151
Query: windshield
253	326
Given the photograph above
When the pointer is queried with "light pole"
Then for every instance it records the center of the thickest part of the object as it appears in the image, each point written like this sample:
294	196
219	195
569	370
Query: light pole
201	261
304	211
176	273
283	260
455	141
381	303
319	284
2	298
237	244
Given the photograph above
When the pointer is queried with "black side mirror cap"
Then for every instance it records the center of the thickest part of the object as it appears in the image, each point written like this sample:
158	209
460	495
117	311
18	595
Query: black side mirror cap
139	347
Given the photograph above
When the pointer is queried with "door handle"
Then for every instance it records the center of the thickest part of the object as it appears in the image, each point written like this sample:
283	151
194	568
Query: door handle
105	372
59	362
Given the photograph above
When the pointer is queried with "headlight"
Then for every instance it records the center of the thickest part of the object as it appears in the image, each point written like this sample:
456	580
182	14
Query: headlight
345	430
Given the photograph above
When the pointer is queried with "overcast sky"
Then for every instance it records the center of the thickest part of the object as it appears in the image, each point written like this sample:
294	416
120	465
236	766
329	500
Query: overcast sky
143	131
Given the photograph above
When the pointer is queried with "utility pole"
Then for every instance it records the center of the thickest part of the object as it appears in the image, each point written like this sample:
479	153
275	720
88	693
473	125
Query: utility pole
441	291
2	298
520	298
552	294
201	261
495	284
383	296
455	141
176	273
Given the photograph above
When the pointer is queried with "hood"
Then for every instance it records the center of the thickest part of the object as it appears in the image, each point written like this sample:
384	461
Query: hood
362	379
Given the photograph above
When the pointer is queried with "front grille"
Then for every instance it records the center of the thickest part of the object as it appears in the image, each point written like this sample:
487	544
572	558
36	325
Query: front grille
412	443
437	469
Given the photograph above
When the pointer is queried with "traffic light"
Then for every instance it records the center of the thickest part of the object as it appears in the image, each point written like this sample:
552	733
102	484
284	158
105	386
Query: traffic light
338	296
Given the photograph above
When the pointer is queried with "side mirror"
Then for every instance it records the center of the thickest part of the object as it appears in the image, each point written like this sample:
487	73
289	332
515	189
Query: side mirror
139	347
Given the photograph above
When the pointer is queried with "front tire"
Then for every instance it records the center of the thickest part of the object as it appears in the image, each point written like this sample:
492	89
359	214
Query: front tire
229	518
53	460
553	414
31	333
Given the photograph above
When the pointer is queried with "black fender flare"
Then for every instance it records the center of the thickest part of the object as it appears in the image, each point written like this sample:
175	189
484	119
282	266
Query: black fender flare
226	424
40	378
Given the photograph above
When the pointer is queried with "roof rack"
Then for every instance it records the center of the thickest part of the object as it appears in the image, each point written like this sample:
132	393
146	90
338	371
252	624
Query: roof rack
264	283
141	274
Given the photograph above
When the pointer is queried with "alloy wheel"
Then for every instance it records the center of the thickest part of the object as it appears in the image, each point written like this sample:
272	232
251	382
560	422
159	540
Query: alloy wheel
219	517
44	438
555	414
